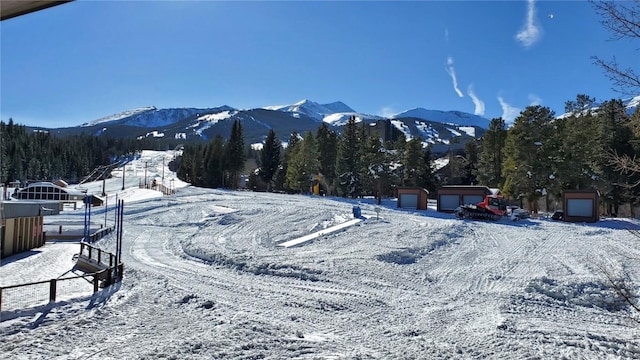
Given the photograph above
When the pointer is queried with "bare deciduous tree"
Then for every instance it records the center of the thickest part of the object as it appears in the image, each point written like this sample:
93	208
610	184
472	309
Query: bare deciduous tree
622	19
625	164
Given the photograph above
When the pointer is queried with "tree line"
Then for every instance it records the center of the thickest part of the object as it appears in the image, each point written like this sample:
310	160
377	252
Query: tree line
40	156
352	164
539	155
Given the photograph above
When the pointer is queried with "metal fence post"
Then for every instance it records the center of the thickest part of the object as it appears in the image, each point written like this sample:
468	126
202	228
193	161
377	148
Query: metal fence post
52	290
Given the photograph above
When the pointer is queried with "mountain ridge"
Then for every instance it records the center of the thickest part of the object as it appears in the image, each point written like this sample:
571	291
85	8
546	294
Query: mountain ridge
203	124
436	128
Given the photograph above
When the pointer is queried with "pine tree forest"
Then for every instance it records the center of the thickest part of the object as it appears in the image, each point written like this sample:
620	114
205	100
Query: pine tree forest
40	156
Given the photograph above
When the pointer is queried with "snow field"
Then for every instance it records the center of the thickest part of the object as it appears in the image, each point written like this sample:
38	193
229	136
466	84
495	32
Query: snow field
206	279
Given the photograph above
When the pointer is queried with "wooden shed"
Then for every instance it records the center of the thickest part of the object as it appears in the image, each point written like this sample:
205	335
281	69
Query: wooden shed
581	205
21	228
412	198
451	196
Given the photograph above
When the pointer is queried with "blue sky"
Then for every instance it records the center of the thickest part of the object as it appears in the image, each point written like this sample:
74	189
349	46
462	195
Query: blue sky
88	59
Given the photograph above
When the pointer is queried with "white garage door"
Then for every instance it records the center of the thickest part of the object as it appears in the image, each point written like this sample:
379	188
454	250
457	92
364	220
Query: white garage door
580	207
472	199
409	201
448	202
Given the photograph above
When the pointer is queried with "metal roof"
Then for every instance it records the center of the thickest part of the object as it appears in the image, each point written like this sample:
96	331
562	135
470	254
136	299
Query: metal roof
30	208
11	8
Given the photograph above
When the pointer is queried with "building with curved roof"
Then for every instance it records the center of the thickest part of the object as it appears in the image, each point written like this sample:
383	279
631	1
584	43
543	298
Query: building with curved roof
48	191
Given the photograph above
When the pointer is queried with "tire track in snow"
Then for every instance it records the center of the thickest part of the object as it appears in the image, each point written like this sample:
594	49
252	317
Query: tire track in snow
263	289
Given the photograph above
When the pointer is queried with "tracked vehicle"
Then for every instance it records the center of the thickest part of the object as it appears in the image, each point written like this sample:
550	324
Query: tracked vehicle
493	207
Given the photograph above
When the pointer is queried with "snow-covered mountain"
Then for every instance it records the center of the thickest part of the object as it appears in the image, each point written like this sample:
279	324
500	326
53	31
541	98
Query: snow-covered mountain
445	117
186	124
152	117
313	109
633	103
335	113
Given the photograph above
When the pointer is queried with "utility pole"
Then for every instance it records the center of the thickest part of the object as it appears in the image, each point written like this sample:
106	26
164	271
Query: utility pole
163	170
124	167
145	174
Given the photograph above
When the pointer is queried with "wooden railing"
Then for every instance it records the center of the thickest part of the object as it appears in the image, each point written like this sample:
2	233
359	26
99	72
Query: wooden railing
22	296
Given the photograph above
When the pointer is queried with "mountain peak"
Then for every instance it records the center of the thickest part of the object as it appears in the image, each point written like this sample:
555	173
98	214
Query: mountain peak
120	115
305	101
313	109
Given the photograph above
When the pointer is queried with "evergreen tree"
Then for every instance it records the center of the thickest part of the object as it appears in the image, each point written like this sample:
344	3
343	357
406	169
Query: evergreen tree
235	156
348	161
634	125
214	162
184	169
376	176
198	170
427	177
303	164
528	164
617	136
270	158
327	141
490	157
579	148
413	163
396	157
310	156
289	155
470	160
580	106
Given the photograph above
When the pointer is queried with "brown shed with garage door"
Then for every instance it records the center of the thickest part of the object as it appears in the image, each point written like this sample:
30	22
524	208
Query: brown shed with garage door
413	198
451	196
581	205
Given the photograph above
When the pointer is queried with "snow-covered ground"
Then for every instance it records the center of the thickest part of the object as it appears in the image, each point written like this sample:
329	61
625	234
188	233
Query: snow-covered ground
206	279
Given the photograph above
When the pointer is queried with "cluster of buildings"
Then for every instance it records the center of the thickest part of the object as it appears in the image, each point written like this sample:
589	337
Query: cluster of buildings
577	205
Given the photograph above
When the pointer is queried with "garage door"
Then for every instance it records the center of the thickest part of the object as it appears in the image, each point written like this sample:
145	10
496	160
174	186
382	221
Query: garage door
580	207
409	201
472	199
448	202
